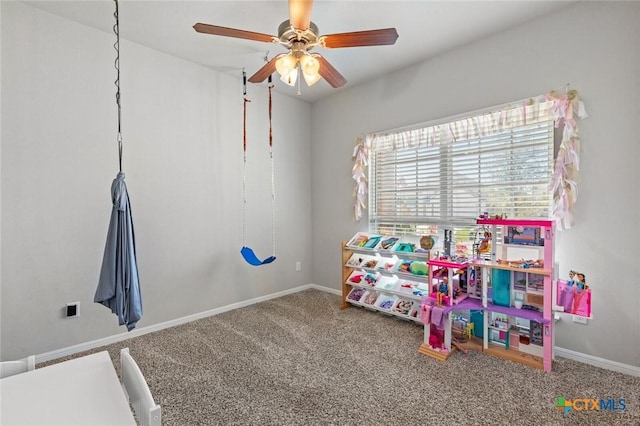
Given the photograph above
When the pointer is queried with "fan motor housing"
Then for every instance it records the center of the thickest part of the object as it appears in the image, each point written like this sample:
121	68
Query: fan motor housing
288	35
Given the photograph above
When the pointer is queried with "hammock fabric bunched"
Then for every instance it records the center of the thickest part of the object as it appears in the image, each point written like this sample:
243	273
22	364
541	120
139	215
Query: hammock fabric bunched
247	253
119	283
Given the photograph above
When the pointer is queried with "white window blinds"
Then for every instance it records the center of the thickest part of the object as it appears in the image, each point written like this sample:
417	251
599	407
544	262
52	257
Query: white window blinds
448	174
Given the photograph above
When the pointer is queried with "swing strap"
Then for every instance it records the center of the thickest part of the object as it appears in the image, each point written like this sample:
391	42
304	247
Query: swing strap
246	252
244	153
273	180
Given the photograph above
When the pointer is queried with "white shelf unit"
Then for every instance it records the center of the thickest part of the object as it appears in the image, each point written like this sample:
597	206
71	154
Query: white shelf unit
383	279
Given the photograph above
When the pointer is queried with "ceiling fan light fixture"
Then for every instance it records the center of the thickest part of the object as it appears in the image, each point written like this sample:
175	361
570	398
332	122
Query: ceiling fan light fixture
291	77
285	64
310	67
311	79
299	35
309	64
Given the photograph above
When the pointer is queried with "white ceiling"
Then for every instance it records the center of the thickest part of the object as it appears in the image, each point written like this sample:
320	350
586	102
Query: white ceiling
426	28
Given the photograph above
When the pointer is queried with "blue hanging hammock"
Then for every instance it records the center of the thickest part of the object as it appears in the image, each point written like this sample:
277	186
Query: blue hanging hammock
248	253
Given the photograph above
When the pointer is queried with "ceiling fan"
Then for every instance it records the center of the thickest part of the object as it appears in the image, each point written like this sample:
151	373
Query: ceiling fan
299	35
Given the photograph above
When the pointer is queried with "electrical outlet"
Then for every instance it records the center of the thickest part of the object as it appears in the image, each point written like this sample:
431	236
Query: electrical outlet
580	319
298	266
73	310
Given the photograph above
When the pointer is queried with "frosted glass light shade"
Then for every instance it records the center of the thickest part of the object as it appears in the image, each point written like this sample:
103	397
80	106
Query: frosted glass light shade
291	77
311	79
285	64
310	67
309	64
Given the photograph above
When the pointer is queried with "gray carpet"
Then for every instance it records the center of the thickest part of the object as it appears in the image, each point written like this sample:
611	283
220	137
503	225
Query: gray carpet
300	360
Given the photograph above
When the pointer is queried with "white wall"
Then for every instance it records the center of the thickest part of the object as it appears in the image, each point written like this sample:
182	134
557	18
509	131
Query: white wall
591	45
182	130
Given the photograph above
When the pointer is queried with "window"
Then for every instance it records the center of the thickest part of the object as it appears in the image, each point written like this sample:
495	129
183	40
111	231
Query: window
445	175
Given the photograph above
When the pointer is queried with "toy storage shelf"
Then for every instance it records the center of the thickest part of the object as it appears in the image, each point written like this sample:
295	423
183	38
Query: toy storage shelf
386	284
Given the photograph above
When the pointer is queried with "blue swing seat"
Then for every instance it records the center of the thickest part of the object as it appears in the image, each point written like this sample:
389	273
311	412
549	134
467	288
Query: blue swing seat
252	259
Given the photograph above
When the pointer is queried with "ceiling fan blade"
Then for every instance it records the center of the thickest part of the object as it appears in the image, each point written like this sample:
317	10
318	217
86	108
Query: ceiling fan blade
300	13
329	73
266	70
232	32
381	37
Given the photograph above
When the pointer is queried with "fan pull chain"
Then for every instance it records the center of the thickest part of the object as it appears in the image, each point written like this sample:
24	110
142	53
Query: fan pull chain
116	46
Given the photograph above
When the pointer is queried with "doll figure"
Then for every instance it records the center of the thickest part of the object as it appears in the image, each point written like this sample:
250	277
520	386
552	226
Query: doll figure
485	243
580	281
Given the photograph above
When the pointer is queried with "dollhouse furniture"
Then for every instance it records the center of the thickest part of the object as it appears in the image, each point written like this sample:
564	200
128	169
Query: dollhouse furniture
449	287
513	317
521	296
469	330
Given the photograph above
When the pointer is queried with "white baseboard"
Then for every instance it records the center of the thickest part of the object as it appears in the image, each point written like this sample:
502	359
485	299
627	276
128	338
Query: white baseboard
598	362
70	350
325	289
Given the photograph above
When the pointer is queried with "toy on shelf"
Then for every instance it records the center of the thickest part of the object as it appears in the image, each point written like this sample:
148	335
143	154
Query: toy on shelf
414	267
372	242
386	301
388	243
405	248
370	297
370	263
404	266
403	306
386	283
363	278
419	268
426	243
359	240
574	295
387	264
355	260
356	294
